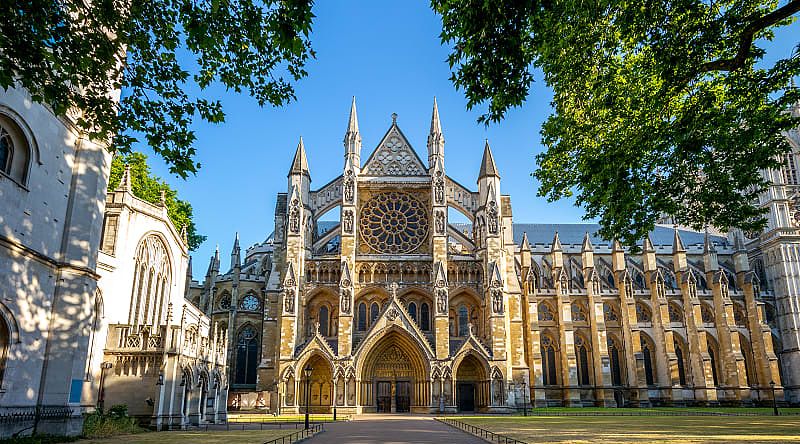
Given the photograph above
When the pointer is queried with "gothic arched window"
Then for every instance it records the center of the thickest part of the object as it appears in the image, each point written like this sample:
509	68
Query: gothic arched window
5	343
151	284
374	311
675	314
425	317
647	353
15	152
581	349
579	312
463	320
642	313
616	367
412	311
681	369
549	361
362	317
246	357
545	312
323	321
610	313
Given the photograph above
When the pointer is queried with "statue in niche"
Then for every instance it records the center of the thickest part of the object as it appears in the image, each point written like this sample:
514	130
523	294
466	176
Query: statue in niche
441	300
288	300
440	222
294	217
497	300
346	295
349	186
347	221
438	189
491	216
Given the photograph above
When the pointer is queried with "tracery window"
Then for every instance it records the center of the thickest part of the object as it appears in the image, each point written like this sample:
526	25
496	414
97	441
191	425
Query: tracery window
614	355
610	313
681	369
675	314
362	317
374	312
463	321
15	152
393	223
578	312
225	301
545	313
323	321
549	360
649	376
250	303
246	356
738	316
425	317
150	292
412	311
706	314
642	313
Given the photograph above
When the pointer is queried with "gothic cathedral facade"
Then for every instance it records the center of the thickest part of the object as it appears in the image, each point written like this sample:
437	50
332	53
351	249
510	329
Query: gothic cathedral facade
394	308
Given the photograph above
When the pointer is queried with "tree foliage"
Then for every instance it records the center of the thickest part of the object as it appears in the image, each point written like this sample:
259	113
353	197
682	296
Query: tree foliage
73	54
660	107
148	187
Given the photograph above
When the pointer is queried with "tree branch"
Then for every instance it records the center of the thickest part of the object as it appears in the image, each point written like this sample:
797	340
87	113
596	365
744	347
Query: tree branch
746	38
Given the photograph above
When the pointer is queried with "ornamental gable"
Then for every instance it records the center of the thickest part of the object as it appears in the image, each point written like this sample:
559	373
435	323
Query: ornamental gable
394	156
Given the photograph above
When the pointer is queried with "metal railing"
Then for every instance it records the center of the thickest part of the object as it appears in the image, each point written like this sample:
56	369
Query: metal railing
479	432
299	435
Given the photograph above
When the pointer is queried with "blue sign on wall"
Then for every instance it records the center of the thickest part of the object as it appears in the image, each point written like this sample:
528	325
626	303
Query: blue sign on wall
75	390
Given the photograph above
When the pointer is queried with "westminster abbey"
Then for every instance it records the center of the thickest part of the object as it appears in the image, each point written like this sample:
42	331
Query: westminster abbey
394	308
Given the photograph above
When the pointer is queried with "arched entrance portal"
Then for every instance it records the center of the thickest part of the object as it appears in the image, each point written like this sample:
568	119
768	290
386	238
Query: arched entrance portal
472	385
394	378
321	386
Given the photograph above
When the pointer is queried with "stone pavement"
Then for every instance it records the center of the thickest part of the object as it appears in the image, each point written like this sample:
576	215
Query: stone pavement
392	429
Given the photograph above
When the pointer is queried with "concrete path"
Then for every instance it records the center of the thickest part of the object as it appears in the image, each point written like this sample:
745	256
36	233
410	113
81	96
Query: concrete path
392	429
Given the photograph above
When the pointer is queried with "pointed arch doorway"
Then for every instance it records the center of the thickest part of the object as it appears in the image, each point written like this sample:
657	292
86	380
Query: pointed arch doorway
394	378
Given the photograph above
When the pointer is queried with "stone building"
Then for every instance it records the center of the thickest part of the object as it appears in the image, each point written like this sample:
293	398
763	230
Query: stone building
395	308
52	187
151	349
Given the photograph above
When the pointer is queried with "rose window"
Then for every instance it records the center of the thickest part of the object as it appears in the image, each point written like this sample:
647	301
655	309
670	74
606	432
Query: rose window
394	223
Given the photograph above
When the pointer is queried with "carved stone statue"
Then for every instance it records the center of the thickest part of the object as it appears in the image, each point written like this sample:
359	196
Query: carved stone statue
438	189
346	295
347	221
349	187
491	217
441	300
497	300
440	222
294	217
288	300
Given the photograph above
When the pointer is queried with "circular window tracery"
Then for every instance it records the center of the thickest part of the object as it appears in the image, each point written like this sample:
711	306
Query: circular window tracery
394	223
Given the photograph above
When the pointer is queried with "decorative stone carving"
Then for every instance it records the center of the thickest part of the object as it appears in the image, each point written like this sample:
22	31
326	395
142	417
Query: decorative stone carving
347	221
497	300
440	222
441	301
346	295
288	300
294	216
438	188
393	223
349	187
392	314
394	158
491	217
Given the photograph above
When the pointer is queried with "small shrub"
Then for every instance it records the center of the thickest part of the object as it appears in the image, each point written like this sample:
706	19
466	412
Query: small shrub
116	422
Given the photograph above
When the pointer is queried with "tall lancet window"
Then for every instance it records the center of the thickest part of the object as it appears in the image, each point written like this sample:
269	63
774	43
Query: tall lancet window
151	282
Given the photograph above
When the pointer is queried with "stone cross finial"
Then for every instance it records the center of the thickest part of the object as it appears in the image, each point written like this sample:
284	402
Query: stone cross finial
394	118
316	327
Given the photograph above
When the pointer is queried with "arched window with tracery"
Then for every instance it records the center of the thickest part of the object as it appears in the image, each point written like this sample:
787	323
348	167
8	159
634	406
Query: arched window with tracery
150	293
463	320
550	375
579	312
647	354
425	317
545	312
324	321
675	314
642	313
15	152
246	356
362	317
582	353
412	311
610	313
374	312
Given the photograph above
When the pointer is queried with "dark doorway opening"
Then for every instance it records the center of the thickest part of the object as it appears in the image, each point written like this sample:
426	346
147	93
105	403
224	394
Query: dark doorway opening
466	397
384	397
403	396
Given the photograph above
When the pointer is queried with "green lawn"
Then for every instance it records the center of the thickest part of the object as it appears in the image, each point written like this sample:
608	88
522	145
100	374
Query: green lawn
676	410
210	437
627	429
266	417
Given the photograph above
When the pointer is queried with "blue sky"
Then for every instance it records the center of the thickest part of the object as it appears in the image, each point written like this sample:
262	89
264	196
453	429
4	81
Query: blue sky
388	55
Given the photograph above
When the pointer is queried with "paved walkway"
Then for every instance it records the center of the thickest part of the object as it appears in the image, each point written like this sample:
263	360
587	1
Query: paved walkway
392	429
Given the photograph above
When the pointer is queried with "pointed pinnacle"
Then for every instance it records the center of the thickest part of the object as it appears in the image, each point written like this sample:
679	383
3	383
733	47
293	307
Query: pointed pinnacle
488	167
708	245
125	182
352	123
587	243
556	243
647	244
616	246
677	243
299	163
524	245
738	241
436	124
236	241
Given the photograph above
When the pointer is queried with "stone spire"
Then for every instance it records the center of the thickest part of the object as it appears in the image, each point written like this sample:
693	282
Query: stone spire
556	252
649	263
236	253
710	254
125	182
647	244
587	243
435	136
300	163
677	243
679	262
587	251
352	137
213	264
618	256
488	167
525	251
